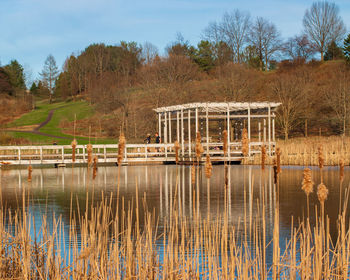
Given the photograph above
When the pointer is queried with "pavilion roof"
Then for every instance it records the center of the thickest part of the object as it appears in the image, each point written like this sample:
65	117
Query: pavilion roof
219	107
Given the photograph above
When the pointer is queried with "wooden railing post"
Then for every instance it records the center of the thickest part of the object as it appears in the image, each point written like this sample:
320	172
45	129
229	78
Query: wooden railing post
19	155
84	153
62	154
104	153
41	154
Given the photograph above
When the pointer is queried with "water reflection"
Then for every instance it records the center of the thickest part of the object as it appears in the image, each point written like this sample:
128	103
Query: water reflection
172	188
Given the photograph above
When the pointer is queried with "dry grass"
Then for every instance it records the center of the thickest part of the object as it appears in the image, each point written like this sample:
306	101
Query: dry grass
113	244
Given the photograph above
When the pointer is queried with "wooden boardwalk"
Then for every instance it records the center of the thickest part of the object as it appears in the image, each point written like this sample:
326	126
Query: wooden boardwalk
133	154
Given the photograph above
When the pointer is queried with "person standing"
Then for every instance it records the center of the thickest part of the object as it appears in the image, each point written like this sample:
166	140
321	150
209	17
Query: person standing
158	140
148	139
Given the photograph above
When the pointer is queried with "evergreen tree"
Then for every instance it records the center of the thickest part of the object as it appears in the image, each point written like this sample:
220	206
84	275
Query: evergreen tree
346	48
333	52
15	73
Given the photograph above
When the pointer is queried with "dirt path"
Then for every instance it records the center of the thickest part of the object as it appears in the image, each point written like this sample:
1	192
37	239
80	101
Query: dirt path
41	125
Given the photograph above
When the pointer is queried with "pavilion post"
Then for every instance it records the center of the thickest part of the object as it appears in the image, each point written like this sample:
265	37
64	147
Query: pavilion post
182	133
169	118
177	126
273	130
249	129
165	128
189	134
264	131
259	128
269	128
160	125
207	127
228	131
196	121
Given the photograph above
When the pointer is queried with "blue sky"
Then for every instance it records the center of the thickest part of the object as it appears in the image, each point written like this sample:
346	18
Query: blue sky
32	29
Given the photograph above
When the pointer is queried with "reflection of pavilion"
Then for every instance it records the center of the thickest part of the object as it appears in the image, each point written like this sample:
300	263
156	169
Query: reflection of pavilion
181	122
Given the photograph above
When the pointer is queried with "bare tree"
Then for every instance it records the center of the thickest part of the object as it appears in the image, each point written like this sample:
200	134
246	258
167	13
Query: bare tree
323	24
50	74
149	52
337	93
265	37
233	30
299	47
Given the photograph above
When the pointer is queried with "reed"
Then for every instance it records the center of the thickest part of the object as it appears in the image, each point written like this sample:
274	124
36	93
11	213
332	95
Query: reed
199	147
74	145
208	167
225	144
177	148
30	170
89	150
245	142
263	156
307	186
121	148
94	170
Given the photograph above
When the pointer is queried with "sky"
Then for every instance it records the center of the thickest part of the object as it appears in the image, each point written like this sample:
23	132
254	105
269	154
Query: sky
30	30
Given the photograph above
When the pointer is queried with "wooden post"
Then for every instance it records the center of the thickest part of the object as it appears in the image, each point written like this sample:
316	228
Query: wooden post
41	154
269	129
84	153
273	130
160	125
306	128
182	132
62	154
259	128
207	127
249	130
19	155
228	131
189	134
104	153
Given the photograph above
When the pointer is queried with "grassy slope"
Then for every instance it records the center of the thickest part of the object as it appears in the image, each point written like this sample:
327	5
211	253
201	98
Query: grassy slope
64	110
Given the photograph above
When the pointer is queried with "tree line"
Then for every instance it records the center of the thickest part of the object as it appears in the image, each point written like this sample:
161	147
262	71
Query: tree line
239	58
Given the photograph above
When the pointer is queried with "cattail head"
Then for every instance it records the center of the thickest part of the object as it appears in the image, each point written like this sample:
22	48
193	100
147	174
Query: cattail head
320	157
30	169
307	184
199	147
341	170
278	160
208	167
193	174
177	148
245	142
263	156
74	145
121	147
275	173
89	152
225	144
322	193
94	171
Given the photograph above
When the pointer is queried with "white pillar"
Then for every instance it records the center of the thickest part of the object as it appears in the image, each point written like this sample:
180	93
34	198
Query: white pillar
248	121
182	132
165	128
160	125
259	128
169	117
228	131
264	131
273	130
207	128
196	121
189	133
177	127
269	129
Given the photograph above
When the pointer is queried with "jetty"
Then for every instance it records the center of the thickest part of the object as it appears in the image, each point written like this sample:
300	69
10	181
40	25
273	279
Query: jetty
175	123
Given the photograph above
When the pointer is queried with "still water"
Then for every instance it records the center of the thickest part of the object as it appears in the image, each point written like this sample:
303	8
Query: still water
53	191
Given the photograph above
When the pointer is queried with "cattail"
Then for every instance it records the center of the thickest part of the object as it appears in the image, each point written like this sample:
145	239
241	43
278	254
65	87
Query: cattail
199	147
225	145
94	170
245	142
307	185
322	193
30	169
278	159
341	170
193	174
121	147
89	152
208	167
74	145
177	148
263	156
320	157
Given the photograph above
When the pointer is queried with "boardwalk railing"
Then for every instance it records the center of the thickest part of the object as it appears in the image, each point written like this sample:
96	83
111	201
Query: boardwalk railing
56	154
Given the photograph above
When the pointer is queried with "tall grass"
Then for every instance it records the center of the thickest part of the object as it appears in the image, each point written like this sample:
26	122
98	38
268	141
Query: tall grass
111	243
